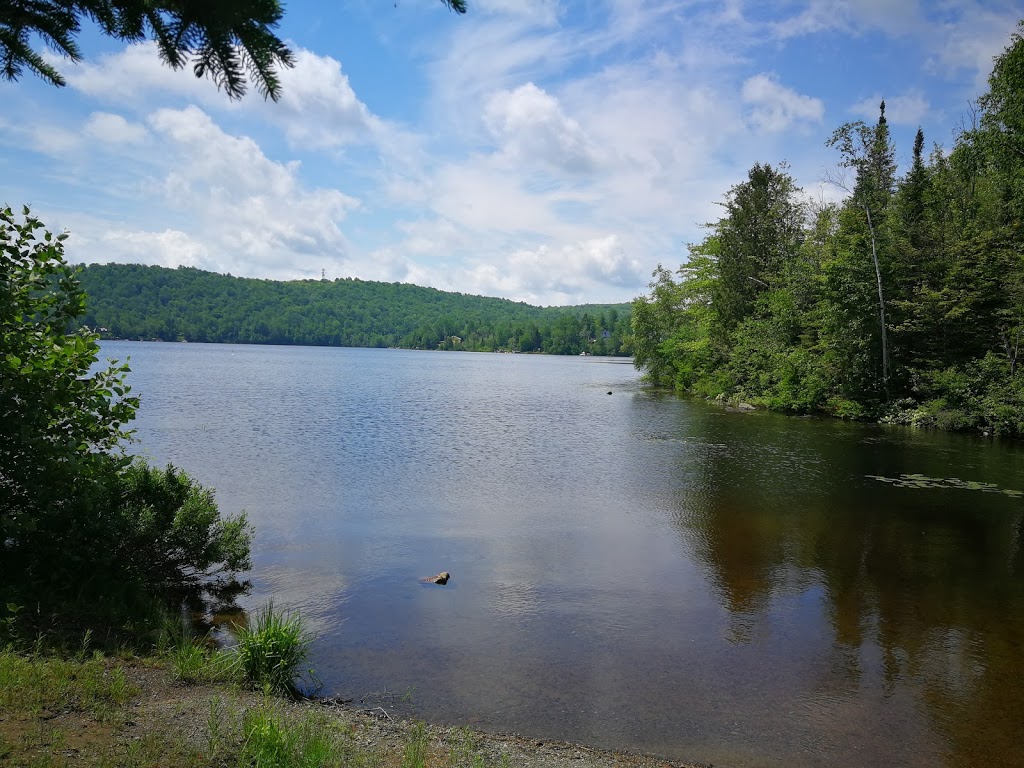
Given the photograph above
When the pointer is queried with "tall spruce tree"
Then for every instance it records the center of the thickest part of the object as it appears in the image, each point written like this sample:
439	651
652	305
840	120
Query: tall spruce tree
762	229
868	152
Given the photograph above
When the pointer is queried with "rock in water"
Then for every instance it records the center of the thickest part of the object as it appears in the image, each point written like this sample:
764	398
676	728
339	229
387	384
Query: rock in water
441	578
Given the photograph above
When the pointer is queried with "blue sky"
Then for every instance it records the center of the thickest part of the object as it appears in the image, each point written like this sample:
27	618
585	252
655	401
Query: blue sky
551	152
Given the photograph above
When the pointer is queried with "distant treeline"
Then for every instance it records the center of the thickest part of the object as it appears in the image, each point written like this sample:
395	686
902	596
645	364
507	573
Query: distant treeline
131	301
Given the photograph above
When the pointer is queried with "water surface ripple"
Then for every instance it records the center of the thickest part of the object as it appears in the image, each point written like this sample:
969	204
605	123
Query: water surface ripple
629	570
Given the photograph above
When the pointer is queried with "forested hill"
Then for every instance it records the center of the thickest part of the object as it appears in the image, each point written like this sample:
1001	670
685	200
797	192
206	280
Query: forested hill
132	301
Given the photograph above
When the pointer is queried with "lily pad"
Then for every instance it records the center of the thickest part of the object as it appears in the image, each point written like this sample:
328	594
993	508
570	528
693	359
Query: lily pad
917	480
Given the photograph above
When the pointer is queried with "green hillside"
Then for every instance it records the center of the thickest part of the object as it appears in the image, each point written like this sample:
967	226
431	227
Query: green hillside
132	301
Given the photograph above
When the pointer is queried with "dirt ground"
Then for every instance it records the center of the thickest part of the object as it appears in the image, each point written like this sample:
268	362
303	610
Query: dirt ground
164	713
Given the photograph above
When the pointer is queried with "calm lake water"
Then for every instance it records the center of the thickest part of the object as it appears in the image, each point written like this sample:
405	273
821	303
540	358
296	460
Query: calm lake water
628	570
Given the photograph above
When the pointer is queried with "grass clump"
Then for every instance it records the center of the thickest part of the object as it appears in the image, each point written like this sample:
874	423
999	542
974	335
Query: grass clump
416	748
273	650
273	739
33	685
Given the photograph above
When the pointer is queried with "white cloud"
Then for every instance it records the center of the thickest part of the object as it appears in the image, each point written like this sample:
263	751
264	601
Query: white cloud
563	274
256	211
52	140
897	17
114	129
318	108
593	270
237	210
133	76
531	128
906	109
970	39
170	248
774	107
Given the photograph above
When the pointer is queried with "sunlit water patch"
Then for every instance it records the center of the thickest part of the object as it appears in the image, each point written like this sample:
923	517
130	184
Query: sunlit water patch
632	571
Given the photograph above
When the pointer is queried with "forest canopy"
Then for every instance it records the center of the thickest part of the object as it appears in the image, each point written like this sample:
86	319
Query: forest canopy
131	301
903	303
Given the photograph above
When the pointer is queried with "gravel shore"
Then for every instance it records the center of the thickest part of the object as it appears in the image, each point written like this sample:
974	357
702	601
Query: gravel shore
185	709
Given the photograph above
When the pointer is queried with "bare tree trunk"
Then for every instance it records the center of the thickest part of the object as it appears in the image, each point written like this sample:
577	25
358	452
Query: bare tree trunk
1013	348
881	306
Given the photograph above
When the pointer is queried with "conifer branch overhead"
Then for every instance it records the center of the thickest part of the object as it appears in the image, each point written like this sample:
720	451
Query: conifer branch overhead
231	41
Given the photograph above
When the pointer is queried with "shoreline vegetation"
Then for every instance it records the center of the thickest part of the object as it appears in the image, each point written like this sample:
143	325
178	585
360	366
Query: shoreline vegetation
904	303
90	709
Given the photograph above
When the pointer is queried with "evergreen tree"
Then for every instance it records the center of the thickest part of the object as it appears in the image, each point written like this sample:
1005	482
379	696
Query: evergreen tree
868	151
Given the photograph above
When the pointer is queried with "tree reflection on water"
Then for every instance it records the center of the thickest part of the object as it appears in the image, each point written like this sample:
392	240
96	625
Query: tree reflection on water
922	587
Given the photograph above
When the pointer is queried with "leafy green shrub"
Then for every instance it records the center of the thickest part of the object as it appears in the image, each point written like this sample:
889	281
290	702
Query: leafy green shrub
61	421
846	409
272	650
172	535
84	534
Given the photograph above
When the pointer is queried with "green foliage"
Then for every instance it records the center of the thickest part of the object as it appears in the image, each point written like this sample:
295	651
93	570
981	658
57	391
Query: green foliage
760	233
275	738
171	533
61	421
184	304
905	303
38	684
82	529
272	650
226	41
415	754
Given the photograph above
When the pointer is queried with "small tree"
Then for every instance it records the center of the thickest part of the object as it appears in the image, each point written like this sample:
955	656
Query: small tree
869	152
61	421
78	524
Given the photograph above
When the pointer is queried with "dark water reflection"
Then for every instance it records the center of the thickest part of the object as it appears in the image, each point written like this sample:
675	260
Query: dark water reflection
630	571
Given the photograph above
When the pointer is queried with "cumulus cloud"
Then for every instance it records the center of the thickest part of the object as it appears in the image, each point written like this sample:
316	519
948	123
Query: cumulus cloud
318	108
774	107
531	127
564	274
133	75
114	129
907	109
593	270
169	248
216	201
256	210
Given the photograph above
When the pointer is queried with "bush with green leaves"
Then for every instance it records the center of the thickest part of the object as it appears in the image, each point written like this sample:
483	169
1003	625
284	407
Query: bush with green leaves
60	420
80	525
172	535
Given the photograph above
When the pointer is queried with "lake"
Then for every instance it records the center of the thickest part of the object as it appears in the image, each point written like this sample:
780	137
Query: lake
629	570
